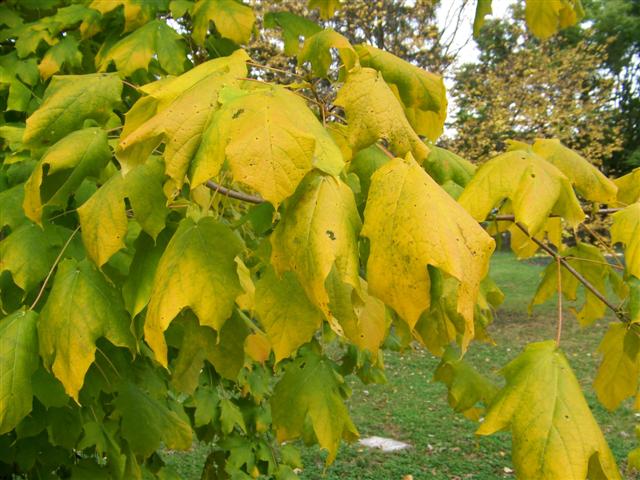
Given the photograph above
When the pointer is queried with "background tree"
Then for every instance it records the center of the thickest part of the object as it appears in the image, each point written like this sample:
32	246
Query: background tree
524	88
191	252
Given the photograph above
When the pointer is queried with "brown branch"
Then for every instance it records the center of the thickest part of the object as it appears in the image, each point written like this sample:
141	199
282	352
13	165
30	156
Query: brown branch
575	273
512	218
245	197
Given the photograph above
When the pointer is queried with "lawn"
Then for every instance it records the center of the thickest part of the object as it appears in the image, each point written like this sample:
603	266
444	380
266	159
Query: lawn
411	408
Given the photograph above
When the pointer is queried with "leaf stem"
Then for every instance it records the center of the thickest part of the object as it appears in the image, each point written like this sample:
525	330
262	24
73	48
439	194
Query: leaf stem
53	267
575	273
559	325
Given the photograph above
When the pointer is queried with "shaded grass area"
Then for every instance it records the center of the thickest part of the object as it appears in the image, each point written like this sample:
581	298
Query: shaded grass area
411	408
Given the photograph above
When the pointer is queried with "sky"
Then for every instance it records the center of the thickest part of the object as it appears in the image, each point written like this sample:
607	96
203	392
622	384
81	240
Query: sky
463	39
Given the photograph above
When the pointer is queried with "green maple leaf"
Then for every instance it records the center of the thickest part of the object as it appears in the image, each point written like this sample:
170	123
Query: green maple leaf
543	406
588	261
374	113
317	231
619	371
451	171
422	93
156	39
20	76
68	101
136	290
28	253
81	300
225	351
269	139
176	111
11	213
535	188
293	27
309	398
469	392
232	19
412	222
18	362
65	53
148	422
62	168
287	315
206	249
317	51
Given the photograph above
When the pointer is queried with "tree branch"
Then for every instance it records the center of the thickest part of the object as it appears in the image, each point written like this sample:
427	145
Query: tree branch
245	197
512	218
575	273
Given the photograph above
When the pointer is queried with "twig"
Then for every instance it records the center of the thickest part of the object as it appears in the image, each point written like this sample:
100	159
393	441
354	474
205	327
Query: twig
559	326
274	69
606	264
575	273
245	197
53	267
512	218
602	242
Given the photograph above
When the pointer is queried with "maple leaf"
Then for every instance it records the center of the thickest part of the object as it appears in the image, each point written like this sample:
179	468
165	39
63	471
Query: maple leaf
545	18
18	362
422	93
225	351
412	222
316	50
156	39
81	300
28	253
62	169
293	27
373	114
311	393
68	101
270	140
327	8
588	180
232	19
147	422
317	231
469	392
64	53
535	188
543	406
162	115
103	216
619	371
197	250
629	187
287	315
588	261
626	230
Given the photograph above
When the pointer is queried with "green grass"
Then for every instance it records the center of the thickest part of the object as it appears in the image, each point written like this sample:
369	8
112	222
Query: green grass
413	409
